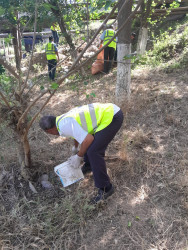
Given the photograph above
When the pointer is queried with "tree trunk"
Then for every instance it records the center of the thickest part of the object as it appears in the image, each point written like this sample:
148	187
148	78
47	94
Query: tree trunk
19	42
123	49
24	155
123	75
57	13
142	40
143	32
16	48
68	38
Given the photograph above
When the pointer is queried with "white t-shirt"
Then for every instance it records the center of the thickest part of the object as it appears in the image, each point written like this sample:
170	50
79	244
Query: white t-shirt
69	127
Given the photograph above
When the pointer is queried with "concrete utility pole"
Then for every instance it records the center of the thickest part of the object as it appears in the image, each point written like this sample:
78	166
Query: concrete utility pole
124	49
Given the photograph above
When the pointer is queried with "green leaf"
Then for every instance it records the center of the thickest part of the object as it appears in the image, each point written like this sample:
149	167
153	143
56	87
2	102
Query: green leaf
54	85
48	6
2	11
85	83
127	57
87	96
29	118
93	94
41	87
129	224
137	217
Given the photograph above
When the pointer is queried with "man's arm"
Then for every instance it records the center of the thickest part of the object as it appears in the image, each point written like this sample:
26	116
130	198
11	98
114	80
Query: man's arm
76	143
85	145
57	55
102	37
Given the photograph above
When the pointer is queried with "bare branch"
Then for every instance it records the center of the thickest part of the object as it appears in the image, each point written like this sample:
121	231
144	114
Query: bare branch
26	24
9	68
5	100
35	116
29	107
33	45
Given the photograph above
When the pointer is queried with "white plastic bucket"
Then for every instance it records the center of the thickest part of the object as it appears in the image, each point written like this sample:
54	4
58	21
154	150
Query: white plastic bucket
68	175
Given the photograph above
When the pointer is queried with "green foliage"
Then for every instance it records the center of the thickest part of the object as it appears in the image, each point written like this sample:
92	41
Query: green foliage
169	50
99	7
8	39
129	224
54	85
2	11
90	95
2	70
7	84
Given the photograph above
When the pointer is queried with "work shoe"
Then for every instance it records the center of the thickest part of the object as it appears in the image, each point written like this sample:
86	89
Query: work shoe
86	168
102	195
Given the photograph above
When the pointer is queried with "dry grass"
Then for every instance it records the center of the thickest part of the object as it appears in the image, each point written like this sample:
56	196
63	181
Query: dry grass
147	162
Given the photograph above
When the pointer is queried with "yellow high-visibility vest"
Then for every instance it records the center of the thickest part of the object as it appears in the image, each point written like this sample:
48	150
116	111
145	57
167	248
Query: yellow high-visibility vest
92	117
55	27
50	51
109	34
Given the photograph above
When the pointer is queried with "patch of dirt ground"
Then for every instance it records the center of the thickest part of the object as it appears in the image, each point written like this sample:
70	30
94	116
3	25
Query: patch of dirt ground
147	162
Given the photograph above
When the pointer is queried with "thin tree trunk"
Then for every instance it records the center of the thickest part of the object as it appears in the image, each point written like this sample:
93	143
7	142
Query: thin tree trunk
19	42
123	74
16	48
142	40
123	49
62	25
87	22
24	155
143	32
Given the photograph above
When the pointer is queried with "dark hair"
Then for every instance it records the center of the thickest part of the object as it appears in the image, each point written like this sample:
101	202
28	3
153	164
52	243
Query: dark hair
133	34
51	38
47	122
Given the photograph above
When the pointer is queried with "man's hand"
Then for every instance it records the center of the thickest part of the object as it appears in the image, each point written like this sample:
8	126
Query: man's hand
75	161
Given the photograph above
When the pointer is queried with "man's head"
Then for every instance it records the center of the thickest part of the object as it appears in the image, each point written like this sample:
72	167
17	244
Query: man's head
133	35
48	124
51	39
111	27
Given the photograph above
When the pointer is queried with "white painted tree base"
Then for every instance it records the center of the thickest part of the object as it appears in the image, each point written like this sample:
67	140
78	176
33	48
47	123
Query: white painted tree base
142	41
123	74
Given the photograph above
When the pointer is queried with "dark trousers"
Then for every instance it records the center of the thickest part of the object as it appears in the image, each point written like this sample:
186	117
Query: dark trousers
55	36
96	151
108	58
115	56
52	68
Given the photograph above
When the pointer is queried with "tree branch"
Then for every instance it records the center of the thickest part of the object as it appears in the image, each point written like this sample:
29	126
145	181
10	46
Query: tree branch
9	68
29	107
5	100
35	116
33	45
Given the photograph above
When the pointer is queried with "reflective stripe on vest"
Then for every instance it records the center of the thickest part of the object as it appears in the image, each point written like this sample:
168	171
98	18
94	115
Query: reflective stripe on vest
50	51
108	36
92	117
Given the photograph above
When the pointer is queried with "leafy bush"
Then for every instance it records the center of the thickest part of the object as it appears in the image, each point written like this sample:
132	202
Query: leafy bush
2	70
169	50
